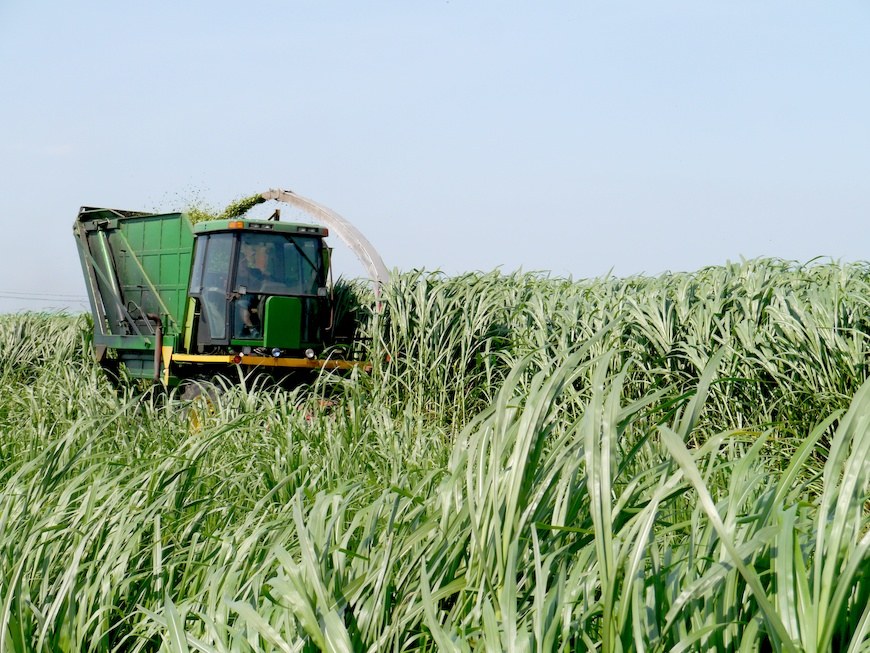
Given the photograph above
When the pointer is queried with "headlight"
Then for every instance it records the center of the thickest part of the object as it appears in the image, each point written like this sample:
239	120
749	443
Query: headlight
276	352
309	354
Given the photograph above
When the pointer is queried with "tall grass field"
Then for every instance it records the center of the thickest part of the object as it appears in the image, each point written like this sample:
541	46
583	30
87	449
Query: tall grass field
672	463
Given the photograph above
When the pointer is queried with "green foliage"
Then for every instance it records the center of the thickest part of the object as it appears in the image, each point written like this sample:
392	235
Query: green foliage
657	464
201	213
240	207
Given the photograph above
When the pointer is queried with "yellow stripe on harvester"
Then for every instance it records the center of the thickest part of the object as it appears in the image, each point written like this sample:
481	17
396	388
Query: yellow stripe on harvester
268	361
166	354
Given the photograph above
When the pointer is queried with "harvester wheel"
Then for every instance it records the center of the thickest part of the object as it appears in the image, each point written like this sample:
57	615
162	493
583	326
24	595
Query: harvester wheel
112	369
208	387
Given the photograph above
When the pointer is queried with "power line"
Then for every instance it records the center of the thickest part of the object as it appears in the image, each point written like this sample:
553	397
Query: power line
35	294
46	299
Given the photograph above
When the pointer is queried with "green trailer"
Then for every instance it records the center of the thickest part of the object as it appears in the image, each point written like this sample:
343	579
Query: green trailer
172	300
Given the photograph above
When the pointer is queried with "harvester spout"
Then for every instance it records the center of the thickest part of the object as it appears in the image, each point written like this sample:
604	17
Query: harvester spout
349	234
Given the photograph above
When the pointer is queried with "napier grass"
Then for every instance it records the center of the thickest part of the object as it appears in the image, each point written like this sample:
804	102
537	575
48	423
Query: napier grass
678	463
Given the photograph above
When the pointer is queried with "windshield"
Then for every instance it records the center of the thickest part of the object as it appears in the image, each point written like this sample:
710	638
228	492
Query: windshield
278	264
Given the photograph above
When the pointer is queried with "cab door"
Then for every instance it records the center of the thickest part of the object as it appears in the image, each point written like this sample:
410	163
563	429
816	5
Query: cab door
209	285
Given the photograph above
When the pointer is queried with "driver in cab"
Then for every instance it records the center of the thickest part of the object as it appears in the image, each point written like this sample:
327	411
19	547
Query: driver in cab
252	275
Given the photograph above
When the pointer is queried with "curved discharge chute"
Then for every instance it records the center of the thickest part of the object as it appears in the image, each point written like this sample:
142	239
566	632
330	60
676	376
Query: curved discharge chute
349	234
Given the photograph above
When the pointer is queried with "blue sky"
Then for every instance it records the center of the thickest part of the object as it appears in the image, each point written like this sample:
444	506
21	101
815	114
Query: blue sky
579	138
